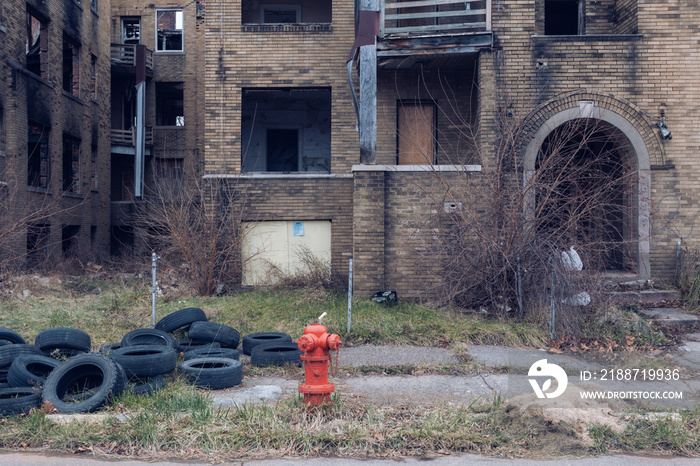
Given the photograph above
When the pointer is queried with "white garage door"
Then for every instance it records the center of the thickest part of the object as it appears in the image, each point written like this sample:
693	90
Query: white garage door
271	250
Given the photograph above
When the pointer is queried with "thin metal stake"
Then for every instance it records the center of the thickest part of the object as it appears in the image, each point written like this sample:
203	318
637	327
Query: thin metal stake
520	290
552	312
350	296
154	258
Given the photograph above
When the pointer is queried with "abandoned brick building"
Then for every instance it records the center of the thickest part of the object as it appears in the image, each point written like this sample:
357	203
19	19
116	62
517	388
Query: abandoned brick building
261	97
54	127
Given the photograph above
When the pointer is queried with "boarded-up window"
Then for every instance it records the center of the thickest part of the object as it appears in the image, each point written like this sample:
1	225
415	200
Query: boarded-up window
416	133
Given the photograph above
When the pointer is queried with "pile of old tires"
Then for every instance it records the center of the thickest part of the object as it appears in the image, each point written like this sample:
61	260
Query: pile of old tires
60	368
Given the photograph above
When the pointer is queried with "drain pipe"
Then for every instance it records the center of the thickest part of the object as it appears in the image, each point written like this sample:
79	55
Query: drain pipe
678	262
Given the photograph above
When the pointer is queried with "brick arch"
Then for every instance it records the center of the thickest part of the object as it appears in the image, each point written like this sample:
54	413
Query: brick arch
644	147
607	107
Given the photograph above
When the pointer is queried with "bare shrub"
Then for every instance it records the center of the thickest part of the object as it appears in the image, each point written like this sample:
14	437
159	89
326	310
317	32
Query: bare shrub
688	276
195	229
503	244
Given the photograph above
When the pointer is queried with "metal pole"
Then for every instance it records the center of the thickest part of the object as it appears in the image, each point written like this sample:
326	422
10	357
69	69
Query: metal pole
520	290
552	312
154	258
350	297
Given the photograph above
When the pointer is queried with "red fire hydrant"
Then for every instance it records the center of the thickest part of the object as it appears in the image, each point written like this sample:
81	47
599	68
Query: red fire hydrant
316	344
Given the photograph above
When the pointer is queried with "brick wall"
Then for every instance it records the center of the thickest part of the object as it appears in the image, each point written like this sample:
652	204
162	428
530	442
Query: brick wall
27	96
647	73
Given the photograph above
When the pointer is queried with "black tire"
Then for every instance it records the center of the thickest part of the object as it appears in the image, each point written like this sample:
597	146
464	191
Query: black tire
147	386
188	344
18	400
61	352
30	370
181	319
145	360
275	354
254	339
108	348
227	336
149	336
228	353
8	353
62	337
3	375
212	373
205	347
83	384
10	335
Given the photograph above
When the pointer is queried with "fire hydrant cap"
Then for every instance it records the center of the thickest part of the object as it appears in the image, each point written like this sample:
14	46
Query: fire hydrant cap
333	342
307	343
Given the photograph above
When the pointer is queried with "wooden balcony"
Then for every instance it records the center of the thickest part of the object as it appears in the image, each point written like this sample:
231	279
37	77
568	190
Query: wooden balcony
124	56
434	17
127	137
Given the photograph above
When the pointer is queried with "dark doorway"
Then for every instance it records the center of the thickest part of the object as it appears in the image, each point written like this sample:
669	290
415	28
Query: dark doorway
586	188
282	150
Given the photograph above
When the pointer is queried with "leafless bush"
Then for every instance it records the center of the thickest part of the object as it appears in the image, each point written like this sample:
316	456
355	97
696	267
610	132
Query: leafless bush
194	228
503	244
688	276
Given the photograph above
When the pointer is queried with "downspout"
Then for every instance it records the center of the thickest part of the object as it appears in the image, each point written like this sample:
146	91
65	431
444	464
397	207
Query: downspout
140	129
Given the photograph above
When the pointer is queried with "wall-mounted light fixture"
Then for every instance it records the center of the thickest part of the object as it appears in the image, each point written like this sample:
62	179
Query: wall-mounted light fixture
665	132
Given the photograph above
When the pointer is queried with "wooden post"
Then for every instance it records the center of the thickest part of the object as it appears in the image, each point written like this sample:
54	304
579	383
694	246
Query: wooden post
368	95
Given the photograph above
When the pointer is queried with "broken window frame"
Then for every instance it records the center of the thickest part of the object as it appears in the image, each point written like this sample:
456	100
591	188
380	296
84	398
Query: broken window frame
168	112
37	28
38	156
38	236
71	66
131	26
556	23
70	239
71	164
168	35
93	76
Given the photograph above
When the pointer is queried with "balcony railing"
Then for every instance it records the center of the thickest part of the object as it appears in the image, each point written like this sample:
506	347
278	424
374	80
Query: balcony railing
125	55
434	17
127	137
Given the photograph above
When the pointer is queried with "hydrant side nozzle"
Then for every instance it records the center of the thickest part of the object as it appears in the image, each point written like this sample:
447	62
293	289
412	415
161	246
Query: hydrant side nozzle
307	343
333	342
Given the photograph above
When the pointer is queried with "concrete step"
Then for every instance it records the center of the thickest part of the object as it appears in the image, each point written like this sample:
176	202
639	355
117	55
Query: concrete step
645	296
671	317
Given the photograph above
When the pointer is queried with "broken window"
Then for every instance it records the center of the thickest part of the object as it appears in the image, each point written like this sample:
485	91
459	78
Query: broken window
38	162
93	5
169	30
286	130
36	45
71	164
169	177
93	168
563	17
71	66
37	244
294	12
69	239
131	30
170	106
93	77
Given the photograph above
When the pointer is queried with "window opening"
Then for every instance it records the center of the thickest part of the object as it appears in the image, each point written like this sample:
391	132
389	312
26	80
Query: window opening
93	5
169	30
71	67
93	168
71	164
93	77
36	45
170	107
169	177
271	144
563	17
69	239
38	162
131	30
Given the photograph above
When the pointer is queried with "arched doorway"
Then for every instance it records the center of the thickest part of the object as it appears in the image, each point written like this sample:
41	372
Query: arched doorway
587	179
586	188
